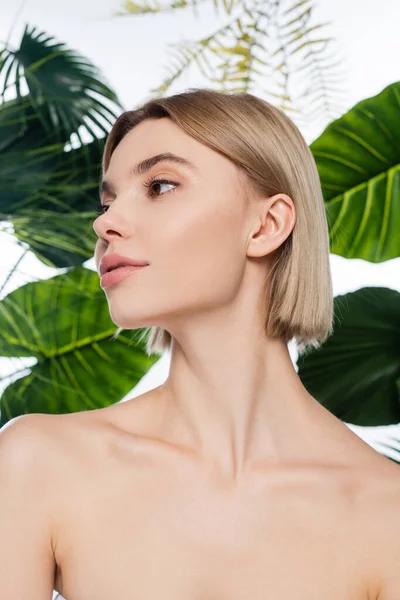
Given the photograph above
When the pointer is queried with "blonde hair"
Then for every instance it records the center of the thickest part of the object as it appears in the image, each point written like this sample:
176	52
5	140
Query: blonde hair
269	148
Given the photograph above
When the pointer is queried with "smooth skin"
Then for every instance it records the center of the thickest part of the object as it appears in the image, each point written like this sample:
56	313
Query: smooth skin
227	482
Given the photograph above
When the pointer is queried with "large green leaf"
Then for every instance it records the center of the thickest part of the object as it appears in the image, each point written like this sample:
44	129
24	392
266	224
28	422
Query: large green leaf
48	193
64	323
23	143
56	220
358	160
355	374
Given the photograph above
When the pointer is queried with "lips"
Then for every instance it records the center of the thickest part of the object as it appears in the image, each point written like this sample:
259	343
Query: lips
114	261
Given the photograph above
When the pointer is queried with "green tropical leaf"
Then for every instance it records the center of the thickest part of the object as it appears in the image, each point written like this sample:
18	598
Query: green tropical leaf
65	90
355	374
358	160
50	201
64	323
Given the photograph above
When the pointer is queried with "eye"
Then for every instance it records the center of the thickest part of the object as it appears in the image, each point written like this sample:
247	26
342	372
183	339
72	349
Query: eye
153	181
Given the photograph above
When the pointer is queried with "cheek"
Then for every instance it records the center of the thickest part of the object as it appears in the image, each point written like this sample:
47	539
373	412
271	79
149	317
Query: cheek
203	250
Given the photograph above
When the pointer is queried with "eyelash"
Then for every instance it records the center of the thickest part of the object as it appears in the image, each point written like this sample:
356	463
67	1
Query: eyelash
147	184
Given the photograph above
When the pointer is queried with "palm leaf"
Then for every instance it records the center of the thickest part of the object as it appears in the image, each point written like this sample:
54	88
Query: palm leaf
65	90
50	201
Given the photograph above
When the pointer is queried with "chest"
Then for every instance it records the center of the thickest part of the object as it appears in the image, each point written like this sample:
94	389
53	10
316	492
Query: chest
150	537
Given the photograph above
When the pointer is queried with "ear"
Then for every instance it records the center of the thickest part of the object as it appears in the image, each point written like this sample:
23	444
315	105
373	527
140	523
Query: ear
273	224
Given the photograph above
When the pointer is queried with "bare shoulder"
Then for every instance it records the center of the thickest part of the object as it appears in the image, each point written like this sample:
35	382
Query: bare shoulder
389	547
370	483
44	432
50	445
24	439
380	526
42	457
70	439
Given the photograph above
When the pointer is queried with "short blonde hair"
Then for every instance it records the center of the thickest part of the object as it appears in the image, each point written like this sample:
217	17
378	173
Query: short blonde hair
269	148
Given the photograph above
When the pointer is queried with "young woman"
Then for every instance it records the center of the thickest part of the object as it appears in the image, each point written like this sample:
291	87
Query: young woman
228	481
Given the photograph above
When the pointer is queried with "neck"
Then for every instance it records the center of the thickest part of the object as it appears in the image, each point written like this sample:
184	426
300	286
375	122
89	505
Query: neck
236	400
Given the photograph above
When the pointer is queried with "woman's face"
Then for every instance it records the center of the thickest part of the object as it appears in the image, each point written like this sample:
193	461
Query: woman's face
192	232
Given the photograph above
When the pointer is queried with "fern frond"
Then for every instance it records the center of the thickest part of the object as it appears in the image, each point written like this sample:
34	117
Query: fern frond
270	39
144	7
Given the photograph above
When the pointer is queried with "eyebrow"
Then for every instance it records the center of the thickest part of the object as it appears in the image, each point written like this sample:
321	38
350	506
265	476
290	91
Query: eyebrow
146	164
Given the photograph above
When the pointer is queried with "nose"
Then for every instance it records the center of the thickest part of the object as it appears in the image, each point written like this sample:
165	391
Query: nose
108	226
